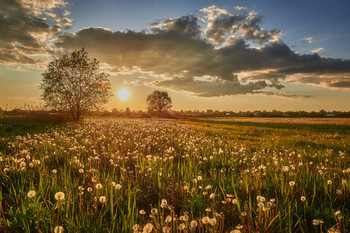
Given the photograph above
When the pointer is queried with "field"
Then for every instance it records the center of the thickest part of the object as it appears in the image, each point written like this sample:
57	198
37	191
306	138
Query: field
198	175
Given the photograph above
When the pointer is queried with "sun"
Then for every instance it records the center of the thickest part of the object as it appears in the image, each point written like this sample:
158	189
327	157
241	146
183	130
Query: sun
123	94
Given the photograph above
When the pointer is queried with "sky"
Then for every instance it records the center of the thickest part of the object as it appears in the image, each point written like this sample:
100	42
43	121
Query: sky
208	54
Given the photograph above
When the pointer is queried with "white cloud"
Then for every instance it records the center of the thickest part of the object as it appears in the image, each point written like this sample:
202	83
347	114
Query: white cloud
317	50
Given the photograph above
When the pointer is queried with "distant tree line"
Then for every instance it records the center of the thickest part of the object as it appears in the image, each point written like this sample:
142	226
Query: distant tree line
127	112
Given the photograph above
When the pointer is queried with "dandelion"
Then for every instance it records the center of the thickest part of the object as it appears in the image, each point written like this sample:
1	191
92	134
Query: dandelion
102	199
235	231
212	221
59	196
166	229
337	213
99	186
212	196
193	224
260	198
339	192
31	194
329	182
182	227
205	220
118	186
147	228
58	229
244	213
142	212
303	198
315	222
199	178
208	209
54	171
136	227
291	183
164	204
234	201
89	189
168	219
154	211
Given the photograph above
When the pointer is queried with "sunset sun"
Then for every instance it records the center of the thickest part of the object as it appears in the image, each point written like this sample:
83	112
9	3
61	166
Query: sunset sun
123	94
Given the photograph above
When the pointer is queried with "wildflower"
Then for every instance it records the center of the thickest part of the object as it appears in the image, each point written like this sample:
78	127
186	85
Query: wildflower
329	182
58	229
81	170
59	196
182	227
118	186
199	178
166	229
193	224
212	221
337	213
205	220
235	231
31	194
54	171
208	209
244	214
303	198
212	195
316	222
147	228
260	198
208	187
102	199
99	186
154	211
136	227
164	204
89	189
142	212
339	192
285	168
234	201
168	219
291	183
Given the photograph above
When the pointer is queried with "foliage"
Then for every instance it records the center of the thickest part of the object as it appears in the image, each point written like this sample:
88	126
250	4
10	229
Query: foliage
158	102
74	84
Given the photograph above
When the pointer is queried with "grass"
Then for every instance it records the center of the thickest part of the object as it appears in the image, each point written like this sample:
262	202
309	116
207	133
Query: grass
133	175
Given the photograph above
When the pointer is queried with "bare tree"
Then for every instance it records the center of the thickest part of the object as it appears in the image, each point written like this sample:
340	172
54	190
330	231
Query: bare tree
158	102
74	83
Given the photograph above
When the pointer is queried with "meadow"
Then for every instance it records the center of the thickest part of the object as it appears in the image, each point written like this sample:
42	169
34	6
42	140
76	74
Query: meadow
198	175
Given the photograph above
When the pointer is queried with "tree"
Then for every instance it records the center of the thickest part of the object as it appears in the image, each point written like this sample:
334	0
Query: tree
158	102
74	83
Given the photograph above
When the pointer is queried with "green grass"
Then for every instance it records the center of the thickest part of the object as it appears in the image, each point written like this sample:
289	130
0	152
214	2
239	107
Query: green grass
219	176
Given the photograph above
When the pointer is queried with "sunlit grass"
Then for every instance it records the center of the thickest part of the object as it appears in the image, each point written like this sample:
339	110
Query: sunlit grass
129	175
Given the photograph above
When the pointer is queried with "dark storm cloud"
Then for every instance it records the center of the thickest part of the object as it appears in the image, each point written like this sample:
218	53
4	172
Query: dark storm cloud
23	31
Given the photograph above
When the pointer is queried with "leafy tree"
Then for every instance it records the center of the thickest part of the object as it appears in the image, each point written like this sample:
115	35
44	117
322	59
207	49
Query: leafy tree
74	83
158	102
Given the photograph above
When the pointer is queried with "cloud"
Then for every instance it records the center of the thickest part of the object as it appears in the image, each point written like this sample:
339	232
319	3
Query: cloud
176	49
240	8
25	33
308	40
207	56
317	50
224	26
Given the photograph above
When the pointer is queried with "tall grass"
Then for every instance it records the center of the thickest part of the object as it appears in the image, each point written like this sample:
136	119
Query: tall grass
123	175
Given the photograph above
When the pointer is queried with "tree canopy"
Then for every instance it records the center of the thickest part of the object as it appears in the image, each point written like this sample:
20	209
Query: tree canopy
158	102
74	83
